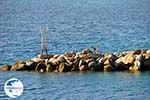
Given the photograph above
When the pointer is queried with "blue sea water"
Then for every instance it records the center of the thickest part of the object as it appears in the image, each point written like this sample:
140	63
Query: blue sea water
115	25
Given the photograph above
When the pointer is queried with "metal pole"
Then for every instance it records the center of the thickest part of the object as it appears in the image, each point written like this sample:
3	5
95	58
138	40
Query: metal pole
43	31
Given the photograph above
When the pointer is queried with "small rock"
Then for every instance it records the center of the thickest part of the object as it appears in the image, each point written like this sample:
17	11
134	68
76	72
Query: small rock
137	65
6	67
108	68
137	52
133	69
82	67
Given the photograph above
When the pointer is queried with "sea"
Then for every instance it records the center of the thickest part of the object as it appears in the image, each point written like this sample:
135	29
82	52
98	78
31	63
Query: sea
73	25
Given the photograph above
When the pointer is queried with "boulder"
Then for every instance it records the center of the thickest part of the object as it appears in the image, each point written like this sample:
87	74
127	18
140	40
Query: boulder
63	67
137	52
137	63
119	54
55	56
36	59
86	51
89	60
31	65
92	65
108	68
44	56
128	59
41	67
6	67
133	69
75	65
82	67
50	68
106	62
53	61
74	68
120	66
109	58
61	59
19	65
118	62
146	65
147	56
148	52
143	52
82	62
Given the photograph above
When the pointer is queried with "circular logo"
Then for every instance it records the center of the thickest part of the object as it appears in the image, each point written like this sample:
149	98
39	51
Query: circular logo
13	87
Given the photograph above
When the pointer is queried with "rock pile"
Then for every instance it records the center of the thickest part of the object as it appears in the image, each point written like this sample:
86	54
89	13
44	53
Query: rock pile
86	60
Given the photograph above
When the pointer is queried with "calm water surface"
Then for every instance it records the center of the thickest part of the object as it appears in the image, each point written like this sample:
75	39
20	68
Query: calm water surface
115	25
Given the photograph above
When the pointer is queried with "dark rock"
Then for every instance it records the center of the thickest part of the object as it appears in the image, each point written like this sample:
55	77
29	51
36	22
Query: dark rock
63	68
50	68
92	66
137	52
45	56
82	62
108	68
41	67
31	66
146	65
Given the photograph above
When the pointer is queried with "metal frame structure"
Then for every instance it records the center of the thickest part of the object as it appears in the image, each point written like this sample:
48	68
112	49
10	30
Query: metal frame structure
44	31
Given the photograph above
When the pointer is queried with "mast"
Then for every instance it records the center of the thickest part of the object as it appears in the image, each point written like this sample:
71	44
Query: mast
44	31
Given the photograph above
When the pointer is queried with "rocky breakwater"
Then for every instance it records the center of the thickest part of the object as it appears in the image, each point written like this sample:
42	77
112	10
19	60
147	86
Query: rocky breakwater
87	60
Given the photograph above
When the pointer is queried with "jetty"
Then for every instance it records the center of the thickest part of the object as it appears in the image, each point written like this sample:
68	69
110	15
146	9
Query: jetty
86	60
